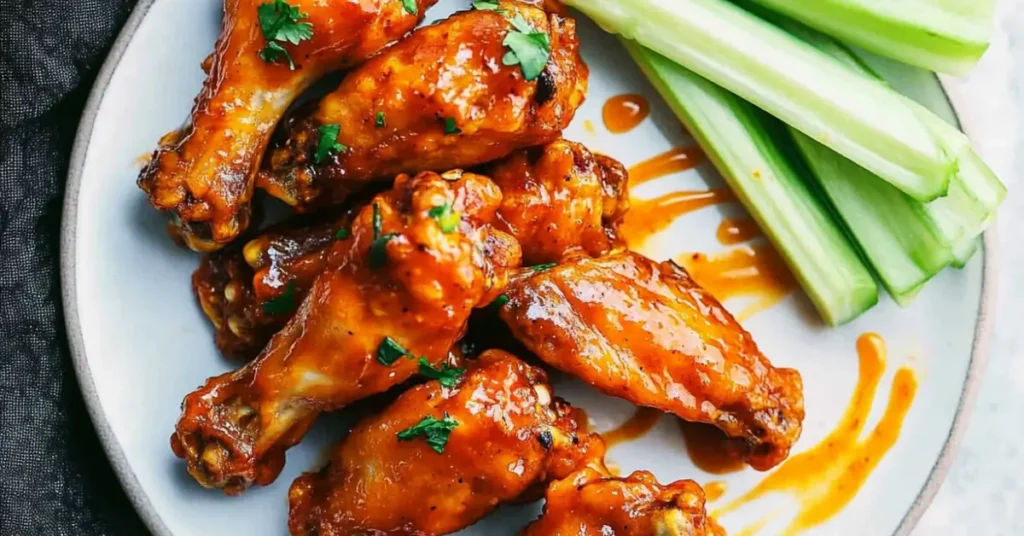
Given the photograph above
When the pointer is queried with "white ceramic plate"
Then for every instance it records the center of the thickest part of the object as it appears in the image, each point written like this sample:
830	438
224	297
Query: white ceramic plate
140	341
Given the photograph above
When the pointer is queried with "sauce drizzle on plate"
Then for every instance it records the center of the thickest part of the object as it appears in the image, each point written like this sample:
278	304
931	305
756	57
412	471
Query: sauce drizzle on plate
755	270
633	428
648	217
623	113
675	161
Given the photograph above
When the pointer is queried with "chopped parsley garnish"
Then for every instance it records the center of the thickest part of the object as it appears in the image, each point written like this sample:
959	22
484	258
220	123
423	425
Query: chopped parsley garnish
283	304
377	222
380	120
342	234
543	267
280	23
500	301
527	48
328	142
435	431
390	351
378	253
450	128
488	5
410	6
447	375
447	218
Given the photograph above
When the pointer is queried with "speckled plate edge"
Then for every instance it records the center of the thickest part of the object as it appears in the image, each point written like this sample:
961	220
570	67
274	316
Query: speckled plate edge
135	492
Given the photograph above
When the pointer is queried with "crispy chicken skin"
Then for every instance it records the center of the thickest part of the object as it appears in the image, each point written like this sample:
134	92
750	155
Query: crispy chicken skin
401	278
447	76
204	174
559	198
646	332
512	436
589	503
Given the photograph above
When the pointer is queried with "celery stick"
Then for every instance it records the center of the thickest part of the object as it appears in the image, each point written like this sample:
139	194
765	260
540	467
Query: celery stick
940	35
894	232
740	141
854	115
965	253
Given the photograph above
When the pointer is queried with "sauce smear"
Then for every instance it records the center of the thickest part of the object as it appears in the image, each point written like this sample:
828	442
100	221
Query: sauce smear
755	270
736	231
709	448
675	161
635	427
825	478
623	113
715	489
648	217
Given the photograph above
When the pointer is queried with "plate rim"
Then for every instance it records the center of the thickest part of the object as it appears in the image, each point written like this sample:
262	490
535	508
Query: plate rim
134	490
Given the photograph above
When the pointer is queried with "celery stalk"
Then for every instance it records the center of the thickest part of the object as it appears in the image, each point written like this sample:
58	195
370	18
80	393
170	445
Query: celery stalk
939	35
965	253
740	141
856	116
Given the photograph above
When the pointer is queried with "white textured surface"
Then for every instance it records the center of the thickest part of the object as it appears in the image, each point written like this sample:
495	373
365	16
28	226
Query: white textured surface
984	493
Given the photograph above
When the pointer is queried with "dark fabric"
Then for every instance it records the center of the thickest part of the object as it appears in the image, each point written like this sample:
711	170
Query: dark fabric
54	477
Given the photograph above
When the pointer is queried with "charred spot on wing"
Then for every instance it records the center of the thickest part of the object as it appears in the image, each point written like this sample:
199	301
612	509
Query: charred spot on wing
545	439
545	87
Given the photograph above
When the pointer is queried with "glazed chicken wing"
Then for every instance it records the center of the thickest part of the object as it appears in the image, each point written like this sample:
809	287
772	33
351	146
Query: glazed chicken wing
440	458
559	198
589	503
420	257
204	174
646	332
441	99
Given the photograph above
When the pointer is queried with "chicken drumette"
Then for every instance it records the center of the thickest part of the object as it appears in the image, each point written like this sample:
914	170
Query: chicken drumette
646	332
441	458
204	173
591	503
419	258
441	99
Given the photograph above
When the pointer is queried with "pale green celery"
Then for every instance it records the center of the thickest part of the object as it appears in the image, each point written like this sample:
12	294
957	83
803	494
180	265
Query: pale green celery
742	141
856	116
939	35
966	252
895	233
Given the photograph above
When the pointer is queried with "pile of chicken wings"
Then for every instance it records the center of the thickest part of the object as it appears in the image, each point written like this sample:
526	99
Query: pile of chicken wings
449	248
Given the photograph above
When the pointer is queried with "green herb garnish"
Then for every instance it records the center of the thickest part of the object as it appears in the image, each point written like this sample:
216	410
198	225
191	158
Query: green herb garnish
342	234
447	218
376	222
283	304
380	120
435	431
450	128
280	23
328	142
527	48
488	5
390	351
378	253
447	375
500	301
410	6
543	267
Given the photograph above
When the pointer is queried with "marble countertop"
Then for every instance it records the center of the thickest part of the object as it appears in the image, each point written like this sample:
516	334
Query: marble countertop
984	492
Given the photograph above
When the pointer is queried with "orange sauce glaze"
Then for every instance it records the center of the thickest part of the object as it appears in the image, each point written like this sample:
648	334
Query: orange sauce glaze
706	446
825	478
588	125
675	161
635	427
623	113
715	489
755	270
648	217
735	231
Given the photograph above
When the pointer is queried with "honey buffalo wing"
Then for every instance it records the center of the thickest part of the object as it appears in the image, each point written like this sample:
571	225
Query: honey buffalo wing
589	503
204	174
441	99
646	332
418	259
441	458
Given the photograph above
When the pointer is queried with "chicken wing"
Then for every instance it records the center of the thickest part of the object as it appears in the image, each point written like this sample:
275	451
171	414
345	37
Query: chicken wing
646	332
263	60
559	198
418	259
440	458
589	503
446	97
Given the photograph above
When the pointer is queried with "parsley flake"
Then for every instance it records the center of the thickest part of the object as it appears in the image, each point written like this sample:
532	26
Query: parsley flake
450	128
501	300
378	253
390	351
543	267
410	6
328	142
447	375
527	48
488	5
435	431
283	304
447	218
377	222
280	23
342	234
380	120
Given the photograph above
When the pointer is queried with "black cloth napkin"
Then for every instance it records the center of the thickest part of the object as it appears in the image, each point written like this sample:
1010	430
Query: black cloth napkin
54	476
